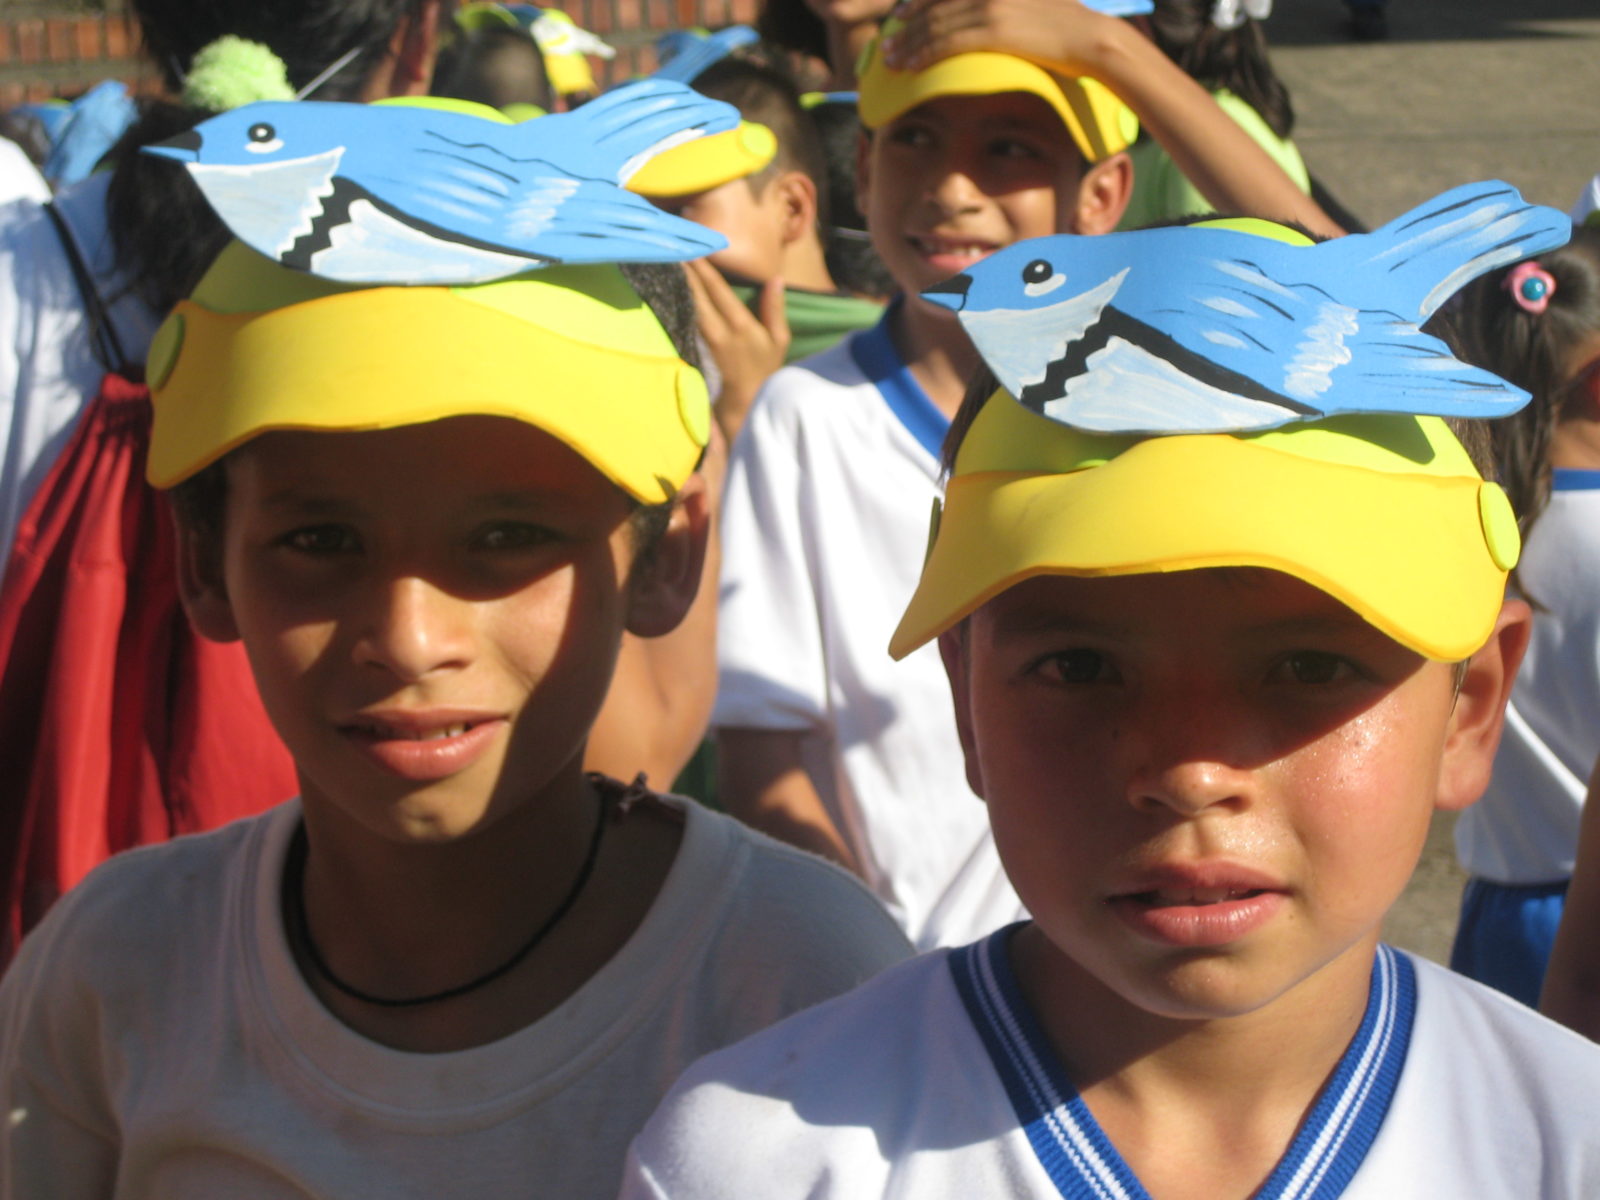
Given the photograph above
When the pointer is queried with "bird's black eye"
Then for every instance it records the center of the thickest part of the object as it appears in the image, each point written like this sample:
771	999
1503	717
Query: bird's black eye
1037	271
262	132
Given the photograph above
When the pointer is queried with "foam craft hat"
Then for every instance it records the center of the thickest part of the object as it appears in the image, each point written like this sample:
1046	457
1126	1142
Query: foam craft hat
1100	124
262	345
1382	511
440	191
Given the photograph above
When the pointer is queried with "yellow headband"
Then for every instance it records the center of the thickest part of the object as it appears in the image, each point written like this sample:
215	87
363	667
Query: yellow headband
1099	123
571	350
1385	513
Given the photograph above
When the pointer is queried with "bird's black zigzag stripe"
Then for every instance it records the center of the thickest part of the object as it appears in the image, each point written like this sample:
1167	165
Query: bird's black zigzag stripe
336	212
1114	323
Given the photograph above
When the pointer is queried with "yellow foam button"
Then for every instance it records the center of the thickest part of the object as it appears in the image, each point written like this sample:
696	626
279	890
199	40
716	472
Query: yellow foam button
164	348
1499	526
694	405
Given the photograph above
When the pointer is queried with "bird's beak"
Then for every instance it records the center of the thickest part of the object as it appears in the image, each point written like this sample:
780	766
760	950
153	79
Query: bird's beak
952	293
185	147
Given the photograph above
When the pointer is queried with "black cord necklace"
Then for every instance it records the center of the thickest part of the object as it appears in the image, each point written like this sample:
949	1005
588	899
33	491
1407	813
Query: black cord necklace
294	871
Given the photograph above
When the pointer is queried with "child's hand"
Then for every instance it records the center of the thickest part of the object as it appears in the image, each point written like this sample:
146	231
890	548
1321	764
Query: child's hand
1060	34
747	350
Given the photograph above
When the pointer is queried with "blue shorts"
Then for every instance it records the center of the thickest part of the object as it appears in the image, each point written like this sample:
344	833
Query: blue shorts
1506	933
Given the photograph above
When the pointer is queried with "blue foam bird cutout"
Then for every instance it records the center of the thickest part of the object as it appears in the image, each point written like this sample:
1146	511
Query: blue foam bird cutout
686	53
410	194
1206	330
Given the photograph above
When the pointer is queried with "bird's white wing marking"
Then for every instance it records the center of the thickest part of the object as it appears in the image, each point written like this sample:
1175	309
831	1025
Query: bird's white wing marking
1126	389
373	247
1309	373
534	210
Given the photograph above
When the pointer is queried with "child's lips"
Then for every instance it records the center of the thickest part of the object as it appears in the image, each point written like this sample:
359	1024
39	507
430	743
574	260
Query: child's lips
951	254
423	745
1200	905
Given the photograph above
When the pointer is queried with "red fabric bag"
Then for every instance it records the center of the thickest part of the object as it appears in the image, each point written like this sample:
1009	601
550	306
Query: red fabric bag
119	725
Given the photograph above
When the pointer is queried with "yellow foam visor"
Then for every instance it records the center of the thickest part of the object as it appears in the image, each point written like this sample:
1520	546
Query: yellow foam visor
1100	124
379	358
706	162
1384	513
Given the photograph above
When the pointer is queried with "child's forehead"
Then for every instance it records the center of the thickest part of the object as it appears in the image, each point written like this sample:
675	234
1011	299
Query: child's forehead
458	460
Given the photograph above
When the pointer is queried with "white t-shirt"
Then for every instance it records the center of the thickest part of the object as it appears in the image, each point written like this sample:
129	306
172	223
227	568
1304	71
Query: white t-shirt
48	370
825	523
19	178
156	1039
935	1081
1525	829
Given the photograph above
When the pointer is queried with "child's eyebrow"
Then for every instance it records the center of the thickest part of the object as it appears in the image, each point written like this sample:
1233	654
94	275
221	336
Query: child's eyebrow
301	500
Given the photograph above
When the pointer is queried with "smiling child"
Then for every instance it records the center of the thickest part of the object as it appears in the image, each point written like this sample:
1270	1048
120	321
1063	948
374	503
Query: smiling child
456	965
1212	685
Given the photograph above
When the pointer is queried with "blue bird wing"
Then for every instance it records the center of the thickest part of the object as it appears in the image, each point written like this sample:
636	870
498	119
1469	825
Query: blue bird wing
1418	261
1395	367
548	216
601	223
1301	344
612	137
685	55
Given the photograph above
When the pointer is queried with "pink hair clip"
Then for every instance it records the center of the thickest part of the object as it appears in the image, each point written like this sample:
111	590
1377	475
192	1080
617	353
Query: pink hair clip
1531	286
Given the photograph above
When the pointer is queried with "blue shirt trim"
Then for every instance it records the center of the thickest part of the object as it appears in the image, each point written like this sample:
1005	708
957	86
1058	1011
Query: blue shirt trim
1574	479
1081	1161
875	356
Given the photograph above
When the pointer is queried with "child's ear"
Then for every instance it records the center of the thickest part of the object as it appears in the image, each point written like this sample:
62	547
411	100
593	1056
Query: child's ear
953	650
797	196
662	590
1480	708
201	586
1103	194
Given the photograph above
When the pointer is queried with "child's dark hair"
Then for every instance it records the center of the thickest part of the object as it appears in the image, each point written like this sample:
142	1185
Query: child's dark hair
164	232
200	502
1487	326
767	95
846	245
1235	59
496	66
791	25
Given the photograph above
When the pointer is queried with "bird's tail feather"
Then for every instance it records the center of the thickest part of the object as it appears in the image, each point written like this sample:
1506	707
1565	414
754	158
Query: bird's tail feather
632	124
1431	251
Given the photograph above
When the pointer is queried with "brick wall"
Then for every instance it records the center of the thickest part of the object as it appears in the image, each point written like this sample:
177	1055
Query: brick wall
44	54
47	55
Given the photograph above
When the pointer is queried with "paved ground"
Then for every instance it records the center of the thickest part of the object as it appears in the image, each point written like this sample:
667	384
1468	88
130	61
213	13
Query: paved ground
1470	89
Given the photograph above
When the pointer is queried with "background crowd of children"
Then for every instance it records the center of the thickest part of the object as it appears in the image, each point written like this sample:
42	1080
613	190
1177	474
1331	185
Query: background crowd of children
726	630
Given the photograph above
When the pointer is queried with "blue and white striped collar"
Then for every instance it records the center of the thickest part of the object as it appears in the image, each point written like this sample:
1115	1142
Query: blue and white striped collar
1080	1159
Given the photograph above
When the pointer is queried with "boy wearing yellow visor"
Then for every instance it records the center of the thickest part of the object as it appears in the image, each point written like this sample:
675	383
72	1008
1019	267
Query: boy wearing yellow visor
456	964
1212	683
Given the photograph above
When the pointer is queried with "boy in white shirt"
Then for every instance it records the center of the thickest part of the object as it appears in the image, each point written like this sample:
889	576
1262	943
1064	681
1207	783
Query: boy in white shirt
456	964
1212	686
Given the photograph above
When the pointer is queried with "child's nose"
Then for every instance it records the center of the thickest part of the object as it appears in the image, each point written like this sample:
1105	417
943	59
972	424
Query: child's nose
413	629
1191	758
956	189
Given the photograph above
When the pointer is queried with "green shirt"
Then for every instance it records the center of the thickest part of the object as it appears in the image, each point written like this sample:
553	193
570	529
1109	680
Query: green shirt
1161	192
